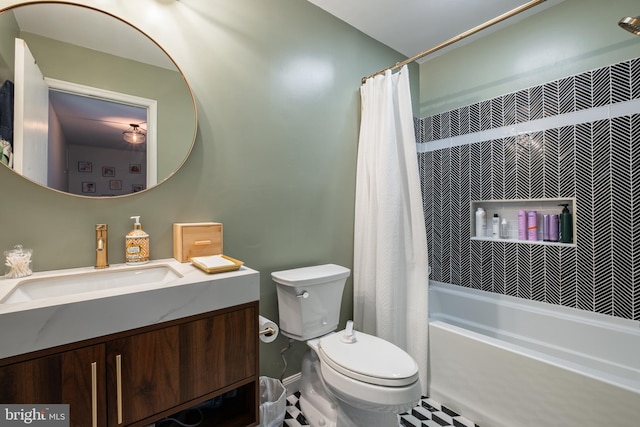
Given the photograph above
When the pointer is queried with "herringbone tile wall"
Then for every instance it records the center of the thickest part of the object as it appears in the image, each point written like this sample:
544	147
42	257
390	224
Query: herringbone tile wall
575	137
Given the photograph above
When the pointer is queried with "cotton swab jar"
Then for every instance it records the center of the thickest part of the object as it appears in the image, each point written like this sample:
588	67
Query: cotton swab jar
18	262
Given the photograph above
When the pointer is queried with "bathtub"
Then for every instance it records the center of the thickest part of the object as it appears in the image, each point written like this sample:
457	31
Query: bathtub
508	362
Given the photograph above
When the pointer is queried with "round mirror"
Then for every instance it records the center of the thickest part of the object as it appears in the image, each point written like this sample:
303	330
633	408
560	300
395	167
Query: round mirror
89	105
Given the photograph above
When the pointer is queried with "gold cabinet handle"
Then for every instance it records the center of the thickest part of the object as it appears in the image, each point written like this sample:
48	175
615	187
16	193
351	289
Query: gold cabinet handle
119	386
94	394
202	242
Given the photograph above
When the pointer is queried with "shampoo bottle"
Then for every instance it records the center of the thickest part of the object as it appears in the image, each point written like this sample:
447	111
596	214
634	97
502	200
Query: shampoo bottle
481	223
495	226
137	244
546	226
522	225
504	229
532	225
553	228
566	225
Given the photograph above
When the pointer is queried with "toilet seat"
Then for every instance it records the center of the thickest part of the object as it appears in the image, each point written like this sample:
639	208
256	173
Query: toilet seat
369	359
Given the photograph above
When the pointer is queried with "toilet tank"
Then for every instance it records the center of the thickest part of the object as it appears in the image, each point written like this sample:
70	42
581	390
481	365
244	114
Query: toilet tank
309	299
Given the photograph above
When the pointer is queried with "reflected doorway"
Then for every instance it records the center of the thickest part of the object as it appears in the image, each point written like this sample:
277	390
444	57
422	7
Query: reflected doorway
87	153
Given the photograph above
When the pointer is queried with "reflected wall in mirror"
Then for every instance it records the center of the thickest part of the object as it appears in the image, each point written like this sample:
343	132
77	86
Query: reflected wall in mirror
73	80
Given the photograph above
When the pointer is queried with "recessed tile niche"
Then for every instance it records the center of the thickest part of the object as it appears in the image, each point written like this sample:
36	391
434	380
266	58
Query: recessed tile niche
508	209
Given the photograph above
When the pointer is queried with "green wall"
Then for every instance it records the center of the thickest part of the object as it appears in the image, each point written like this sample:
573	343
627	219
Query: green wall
572	37
277	89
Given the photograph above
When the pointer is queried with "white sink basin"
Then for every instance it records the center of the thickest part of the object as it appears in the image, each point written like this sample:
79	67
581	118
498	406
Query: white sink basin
64	306
47	287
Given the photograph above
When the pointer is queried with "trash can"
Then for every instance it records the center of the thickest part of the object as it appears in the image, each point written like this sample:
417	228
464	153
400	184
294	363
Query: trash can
273	401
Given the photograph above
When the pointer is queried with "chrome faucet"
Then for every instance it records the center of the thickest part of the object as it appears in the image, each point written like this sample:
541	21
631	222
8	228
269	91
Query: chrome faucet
102	247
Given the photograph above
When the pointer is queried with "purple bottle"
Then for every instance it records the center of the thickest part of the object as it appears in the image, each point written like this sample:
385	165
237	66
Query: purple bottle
522	225
545	227
532	225
553	228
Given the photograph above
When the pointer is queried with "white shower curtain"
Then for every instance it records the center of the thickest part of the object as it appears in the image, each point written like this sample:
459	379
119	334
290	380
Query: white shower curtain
390	248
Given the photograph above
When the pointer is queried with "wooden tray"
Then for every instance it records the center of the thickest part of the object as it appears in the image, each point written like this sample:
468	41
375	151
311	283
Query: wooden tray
208	263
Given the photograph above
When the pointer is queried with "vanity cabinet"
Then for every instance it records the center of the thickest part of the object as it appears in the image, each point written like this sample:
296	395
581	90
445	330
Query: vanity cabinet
136	377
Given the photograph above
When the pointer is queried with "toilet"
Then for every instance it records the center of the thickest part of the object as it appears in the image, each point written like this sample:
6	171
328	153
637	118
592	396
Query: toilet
349	378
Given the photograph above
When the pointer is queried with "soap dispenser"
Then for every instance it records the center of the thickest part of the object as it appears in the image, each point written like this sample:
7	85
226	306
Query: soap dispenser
566	225
137	244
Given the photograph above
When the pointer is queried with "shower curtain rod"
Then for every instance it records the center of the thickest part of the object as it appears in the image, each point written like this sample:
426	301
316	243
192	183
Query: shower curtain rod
459	37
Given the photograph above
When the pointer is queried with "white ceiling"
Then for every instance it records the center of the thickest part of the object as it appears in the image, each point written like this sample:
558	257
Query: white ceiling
90	29
413	26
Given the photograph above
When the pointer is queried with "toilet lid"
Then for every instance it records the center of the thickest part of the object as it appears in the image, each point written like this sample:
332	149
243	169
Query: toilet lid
369	359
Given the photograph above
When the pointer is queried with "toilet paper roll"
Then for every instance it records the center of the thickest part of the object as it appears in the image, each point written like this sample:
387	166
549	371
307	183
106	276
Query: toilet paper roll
268	330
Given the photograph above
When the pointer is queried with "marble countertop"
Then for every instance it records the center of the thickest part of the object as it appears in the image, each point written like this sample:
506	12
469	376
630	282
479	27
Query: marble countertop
35	325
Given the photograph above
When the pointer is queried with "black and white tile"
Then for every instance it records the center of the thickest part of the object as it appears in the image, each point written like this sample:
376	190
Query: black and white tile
428	413
294	416
575	137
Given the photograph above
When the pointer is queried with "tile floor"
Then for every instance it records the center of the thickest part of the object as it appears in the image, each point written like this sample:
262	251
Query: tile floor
427	414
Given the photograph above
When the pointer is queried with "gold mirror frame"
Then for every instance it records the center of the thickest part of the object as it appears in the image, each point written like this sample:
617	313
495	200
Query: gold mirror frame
175	161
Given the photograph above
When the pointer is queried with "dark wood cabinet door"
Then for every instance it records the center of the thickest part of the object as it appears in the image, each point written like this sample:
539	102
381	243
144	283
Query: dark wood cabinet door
143	375
218	351
84	386
75	377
